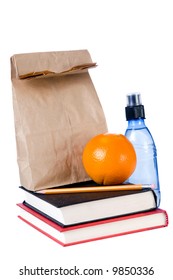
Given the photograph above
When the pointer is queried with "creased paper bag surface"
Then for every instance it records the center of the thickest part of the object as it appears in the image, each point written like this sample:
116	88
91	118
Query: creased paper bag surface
56	112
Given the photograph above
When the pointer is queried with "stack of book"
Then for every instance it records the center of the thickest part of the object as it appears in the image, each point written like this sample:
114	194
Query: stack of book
86	212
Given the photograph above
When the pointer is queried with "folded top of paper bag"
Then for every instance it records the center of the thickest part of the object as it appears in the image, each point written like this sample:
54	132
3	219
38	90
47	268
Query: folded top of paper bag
49	63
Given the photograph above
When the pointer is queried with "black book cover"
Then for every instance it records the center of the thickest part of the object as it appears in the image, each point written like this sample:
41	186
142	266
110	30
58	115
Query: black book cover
66	199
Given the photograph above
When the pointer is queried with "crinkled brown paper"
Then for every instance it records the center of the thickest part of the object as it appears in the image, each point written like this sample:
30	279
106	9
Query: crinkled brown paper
56	112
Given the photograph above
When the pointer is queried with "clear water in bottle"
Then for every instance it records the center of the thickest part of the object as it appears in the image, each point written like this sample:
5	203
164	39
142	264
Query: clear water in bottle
146	171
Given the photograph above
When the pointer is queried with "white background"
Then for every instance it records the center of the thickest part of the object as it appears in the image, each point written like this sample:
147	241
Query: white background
131	41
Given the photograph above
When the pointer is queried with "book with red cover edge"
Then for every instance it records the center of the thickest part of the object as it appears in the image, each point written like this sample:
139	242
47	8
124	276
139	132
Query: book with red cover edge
92	224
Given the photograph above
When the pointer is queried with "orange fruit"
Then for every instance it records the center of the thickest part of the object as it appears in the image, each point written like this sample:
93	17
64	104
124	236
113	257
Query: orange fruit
109	159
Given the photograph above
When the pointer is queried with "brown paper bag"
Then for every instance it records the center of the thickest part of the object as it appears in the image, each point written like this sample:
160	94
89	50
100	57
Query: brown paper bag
56	111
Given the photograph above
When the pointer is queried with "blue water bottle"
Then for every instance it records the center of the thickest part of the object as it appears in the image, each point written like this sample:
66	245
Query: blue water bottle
146	171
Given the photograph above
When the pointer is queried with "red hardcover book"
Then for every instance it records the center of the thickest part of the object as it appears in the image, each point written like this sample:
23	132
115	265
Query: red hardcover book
71	235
